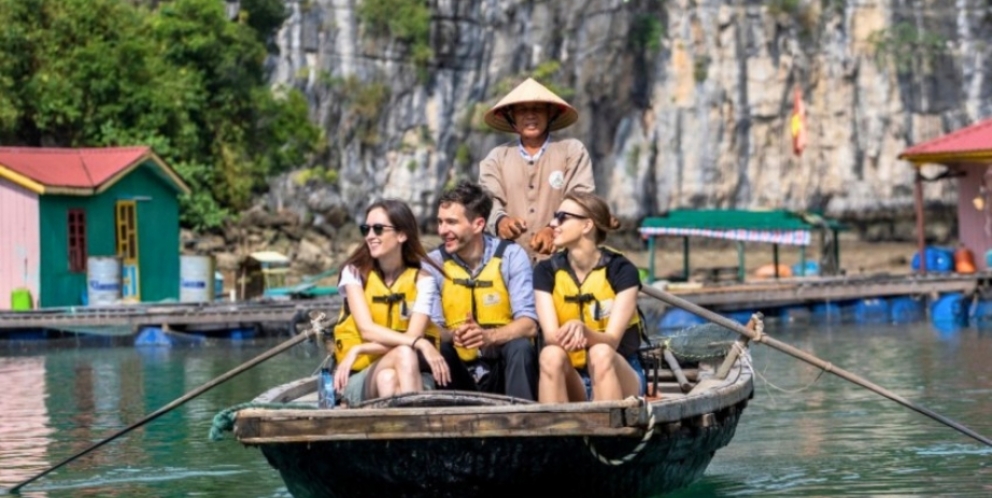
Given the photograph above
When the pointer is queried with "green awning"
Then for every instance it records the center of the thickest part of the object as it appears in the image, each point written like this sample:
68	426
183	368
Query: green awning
772	226
730	219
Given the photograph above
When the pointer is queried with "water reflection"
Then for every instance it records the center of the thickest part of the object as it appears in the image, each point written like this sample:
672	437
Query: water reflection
24	424
805	433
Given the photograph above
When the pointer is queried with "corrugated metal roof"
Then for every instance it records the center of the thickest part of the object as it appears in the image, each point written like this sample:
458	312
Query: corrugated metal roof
74	168
965	143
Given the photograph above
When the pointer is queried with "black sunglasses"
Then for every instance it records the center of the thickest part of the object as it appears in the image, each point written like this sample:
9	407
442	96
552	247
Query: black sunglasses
561	216
377	228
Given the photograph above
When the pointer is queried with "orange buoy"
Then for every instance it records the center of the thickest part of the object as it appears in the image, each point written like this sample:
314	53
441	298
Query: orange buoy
964	260
768	271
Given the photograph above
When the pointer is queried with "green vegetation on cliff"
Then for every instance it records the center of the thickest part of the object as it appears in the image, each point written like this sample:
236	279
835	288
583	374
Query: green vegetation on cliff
181	77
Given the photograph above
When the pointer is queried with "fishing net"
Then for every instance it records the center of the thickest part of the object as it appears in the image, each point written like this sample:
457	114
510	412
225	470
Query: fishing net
700	342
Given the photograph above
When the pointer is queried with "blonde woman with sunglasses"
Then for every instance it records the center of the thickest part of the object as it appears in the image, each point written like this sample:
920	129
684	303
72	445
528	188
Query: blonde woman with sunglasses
384	329
586	298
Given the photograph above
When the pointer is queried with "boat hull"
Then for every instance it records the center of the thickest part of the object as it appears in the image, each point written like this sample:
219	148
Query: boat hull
676	455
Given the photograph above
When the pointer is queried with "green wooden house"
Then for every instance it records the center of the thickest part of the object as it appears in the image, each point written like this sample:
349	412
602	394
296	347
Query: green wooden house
64	210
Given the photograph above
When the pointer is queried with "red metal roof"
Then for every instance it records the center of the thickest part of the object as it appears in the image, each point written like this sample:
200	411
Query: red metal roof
963	143
72	168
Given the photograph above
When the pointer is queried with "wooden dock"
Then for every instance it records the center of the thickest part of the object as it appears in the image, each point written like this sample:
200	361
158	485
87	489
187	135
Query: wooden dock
127	319
792	291
190	315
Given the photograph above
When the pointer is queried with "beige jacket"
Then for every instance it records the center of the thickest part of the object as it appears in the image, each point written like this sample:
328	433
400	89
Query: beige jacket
533	191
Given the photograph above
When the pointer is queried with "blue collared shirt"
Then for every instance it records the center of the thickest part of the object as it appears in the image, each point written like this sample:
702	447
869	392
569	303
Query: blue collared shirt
527	157
517	273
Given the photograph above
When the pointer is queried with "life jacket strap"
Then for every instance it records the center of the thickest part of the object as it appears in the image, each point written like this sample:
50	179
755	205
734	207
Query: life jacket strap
388	298
473	284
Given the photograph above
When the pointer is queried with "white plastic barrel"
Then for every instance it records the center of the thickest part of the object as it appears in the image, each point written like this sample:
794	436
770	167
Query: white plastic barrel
196	279
103	280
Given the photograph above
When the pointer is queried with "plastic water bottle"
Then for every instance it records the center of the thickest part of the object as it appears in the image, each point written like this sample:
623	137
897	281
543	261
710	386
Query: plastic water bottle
326	397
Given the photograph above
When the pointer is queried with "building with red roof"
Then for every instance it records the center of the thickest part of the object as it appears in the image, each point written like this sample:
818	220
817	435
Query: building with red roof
967	155
88	226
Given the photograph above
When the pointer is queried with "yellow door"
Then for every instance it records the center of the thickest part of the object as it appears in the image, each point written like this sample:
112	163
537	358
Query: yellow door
127	249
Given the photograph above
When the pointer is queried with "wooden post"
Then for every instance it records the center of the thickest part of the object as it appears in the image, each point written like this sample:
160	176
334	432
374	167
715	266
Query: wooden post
920	236
740	261
685	258
651	259
836	251
775	259
802	261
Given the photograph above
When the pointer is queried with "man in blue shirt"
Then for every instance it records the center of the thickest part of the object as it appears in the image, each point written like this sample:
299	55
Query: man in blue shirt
486	299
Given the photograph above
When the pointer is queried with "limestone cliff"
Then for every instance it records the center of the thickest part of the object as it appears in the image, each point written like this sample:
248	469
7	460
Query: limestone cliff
683	103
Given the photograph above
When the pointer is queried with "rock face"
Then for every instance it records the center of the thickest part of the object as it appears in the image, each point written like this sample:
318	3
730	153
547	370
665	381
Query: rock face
683	103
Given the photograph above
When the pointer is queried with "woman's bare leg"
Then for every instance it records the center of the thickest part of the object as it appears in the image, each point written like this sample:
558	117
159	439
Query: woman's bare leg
404	376
559	382
612	377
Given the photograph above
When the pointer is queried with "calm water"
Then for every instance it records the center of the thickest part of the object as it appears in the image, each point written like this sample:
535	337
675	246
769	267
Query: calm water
801	435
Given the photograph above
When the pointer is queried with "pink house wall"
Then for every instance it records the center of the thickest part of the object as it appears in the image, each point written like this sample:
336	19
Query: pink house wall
972	229
19	241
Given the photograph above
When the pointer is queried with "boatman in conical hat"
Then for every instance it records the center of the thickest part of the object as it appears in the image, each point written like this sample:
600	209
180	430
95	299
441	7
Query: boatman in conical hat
529	177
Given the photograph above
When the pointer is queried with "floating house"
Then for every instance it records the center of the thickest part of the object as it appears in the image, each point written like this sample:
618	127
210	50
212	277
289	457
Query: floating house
260	272
775	226
967	156
62	209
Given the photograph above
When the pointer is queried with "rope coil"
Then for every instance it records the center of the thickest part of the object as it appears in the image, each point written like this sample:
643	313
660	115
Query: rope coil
224	420
633	453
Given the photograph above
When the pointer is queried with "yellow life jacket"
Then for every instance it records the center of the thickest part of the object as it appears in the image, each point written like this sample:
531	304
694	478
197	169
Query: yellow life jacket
484	296
591	301
390	307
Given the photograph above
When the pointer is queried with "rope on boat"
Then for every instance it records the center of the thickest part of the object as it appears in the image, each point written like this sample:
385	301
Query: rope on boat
224	420
747	360
633	453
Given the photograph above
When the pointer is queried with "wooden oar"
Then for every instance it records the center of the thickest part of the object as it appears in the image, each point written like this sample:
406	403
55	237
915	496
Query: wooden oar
314	329
808	358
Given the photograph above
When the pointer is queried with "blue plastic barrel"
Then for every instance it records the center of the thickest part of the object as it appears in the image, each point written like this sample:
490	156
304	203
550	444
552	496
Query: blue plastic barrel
950	308
812	269
826	312
152	336
678	318
242	333
980	312
904	309
24	334
871	310
939	259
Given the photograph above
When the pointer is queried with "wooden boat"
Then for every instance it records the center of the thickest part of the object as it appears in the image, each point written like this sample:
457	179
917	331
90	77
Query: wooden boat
457	444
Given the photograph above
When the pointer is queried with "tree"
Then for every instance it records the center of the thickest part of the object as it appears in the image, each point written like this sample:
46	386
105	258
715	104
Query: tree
181	77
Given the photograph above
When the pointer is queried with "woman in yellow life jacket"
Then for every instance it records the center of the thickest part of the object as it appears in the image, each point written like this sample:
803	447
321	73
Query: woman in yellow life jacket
384	321
586	297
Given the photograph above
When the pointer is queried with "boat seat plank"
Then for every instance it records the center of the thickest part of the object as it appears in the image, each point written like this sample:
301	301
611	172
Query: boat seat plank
255	426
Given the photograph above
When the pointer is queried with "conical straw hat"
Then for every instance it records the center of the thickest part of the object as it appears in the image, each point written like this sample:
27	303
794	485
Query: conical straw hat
531	91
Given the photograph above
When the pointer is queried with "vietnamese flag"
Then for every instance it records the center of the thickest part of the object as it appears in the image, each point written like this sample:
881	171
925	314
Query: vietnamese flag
798	123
